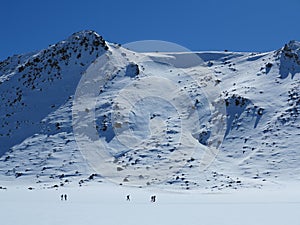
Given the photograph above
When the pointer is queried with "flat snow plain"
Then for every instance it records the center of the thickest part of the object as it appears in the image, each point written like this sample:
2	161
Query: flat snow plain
106	204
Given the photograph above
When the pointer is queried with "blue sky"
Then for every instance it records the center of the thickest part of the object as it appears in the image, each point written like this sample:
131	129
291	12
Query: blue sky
256	25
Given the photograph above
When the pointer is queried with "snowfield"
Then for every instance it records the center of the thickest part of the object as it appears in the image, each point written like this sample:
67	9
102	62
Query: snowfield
85	109
214	135
106	204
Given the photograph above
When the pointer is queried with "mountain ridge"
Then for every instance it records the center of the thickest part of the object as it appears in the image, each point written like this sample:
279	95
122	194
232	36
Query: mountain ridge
37	141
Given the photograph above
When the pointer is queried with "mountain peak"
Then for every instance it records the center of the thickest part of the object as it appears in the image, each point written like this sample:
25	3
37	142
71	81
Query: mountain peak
87	37
292	49
293	44
42	75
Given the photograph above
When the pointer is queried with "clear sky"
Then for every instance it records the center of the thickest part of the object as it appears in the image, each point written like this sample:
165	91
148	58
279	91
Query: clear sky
237	25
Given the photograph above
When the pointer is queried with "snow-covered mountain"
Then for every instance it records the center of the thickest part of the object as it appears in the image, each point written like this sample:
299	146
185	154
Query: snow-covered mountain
87	110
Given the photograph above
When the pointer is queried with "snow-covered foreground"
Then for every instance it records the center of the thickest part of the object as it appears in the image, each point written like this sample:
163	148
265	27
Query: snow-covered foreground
106	204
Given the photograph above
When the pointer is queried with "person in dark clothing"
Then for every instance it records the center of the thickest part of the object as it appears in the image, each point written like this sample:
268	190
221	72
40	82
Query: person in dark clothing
153	198
128	197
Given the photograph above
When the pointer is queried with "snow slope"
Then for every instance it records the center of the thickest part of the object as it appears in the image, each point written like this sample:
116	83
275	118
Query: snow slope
85	110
